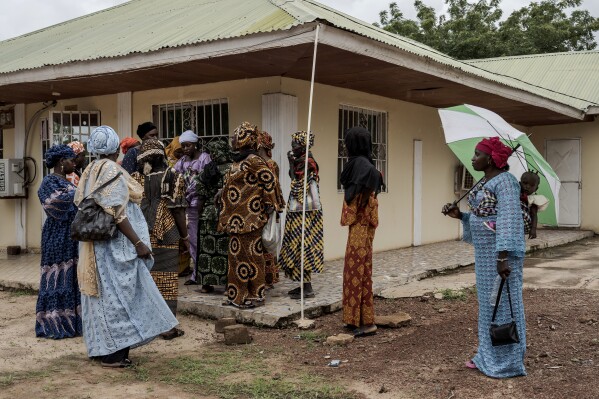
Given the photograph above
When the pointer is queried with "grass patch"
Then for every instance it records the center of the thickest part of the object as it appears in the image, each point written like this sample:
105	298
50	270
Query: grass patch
242	374
454	295
7	380
312	336
17	292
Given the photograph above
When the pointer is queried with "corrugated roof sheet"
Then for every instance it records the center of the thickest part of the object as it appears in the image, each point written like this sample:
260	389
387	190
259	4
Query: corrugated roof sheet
573	73
141	26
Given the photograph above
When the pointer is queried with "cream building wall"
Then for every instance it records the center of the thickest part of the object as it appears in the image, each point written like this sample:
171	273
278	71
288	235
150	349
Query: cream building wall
588	133
407	122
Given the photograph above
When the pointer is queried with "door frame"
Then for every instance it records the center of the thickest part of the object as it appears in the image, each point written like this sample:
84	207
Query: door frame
579	139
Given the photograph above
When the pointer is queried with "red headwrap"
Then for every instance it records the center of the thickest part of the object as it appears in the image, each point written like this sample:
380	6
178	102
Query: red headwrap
127	143
498	151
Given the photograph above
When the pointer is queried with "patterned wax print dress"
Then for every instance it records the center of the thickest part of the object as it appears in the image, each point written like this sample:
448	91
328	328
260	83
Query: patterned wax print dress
497	200
163	191
358	301
248	190
190	168
58	309
213	246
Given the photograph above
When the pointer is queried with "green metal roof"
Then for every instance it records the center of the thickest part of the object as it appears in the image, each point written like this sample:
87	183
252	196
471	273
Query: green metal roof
573	73
142	26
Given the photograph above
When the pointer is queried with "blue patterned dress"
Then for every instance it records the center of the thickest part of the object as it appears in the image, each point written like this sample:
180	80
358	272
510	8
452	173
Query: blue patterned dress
58	309
129	310
498	200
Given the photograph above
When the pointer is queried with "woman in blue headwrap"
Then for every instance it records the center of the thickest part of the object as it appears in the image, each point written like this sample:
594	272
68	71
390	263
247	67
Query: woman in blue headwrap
57	313
121	305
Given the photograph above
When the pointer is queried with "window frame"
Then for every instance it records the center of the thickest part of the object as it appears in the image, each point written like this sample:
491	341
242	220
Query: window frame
59	133
218	125
380	137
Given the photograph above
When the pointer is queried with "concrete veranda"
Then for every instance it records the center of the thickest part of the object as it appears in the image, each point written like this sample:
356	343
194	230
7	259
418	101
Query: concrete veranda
391	269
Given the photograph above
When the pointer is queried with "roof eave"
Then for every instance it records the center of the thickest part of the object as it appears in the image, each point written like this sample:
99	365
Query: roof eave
365	46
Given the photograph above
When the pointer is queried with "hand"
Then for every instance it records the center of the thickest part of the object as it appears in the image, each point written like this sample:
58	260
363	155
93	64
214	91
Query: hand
143	251
290	155
532	234
452	210
503	269
269	209
186	244
217	197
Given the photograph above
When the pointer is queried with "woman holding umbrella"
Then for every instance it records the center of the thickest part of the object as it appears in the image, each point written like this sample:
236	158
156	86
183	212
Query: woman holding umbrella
495	198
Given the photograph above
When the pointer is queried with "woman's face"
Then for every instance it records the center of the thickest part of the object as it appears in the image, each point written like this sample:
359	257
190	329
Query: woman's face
67	165
480	160
152	134
80	160
189	149
297	148
178	153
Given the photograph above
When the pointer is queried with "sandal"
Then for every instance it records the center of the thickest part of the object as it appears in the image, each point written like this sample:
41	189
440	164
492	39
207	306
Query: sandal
191	282
470	364
186	272
207	289
117	365
359	332
298	295
172	334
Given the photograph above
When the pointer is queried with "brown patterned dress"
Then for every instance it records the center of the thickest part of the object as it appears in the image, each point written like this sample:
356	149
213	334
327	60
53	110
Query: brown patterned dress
249	189
358	303
163	191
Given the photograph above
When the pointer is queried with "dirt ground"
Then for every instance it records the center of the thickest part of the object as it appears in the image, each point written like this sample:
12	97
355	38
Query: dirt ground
424	360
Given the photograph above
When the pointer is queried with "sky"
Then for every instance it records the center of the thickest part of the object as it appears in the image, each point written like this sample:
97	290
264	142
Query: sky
22	16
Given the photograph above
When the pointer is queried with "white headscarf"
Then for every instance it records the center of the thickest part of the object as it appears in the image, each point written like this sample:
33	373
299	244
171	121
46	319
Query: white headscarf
103	141
188	137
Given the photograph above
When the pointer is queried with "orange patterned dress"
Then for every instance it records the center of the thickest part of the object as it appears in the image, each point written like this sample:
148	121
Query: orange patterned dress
358	301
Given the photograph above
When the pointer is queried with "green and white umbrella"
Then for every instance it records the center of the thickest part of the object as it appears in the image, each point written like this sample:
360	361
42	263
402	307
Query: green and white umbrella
466	125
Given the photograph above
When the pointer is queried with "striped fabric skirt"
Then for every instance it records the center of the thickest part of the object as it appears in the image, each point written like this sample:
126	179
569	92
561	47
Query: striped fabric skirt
166	275
291	249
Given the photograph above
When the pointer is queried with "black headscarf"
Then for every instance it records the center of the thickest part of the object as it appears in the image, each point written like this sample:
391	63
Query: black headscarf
360	174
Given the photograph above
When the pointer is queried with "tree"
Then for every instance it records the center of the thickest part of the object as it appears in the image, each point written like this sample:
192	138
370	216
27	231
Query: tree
475	29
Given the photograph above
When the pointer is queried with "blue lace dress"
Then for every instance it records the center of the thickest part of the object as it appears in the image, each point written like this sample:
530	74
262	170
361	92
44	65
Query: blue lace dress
58	309
129	310
497	200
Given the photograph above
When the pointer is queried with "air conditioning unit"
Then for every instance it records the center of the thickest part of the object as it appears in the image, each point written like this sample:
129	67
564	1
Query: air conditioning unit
463	180
12	178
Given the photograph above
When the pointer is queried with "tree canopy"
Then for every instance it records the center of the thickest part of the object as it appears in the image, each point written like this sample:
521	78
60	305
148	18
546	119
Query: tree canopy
475	29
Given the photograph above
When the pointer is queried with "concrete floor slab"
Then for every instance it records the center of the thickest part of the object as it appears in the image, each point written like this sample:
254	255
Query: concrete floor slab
392	269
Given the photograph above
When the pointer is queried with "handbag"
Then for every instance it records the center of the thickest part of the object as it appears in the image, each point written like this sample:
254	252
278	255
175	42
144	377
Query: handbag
271	234
505	334
312	200
91	222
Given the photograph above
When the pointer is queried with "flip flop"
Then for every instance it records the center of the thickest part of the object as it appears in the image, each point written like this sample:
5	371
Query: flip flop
117	365
190	282
174	333
298	295
294	291
470	364
360	334
207	289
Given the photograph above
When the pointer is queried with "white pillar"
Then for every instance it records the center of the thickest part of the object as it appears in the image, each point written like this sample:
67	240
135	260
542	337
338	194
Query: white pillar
279	118
20	205
417	201
124	117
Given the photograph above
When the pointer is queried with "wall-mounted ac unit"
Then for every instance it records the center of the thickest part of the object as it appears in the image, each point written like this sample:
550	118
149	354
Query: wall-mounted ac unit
463	180
12	178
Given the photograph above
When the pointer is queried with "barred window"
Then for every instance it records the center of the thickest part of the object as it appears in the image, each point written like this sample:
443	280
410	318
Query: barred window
209	119
376	123
62	127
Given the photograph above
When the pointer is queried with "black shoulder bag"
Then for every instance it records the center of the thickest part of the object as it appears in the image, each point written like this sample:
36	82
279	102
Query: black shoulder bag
91	222
505	334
